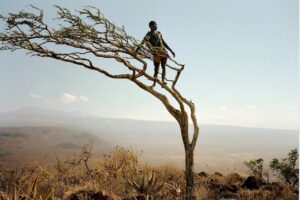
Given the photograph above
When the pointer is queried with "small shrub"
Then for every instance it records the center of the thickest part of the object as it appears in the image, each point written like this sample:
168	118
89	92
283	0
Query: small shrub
286	168
146	186
256	167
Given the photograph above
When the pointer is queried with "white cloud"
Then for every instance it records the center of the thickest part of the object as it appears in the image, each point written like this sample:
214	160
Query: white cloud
35	96
70	98
83	98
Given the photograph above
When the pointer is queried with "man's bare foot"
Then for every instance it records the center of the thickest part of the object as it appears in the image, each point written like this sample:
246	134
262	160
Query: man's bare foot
164	83
152	86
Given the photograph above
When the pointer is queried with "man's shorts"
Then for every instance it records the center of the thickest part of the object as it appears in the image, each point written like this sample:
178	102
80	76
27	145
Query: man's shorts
159	58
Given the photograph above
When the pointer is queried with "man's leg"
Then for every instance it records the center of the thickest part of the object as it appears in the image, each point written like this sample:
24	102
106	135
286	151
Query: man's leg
156	70
163	65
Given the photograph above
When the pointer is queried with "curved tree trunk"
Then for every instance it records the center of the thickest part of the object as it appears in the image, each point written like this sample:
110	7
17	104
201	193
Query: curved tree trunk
189	162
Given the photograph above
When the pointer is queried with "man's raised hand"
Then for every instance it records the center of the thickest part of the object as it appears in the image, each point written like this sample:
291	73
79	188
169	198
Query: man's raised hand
173	53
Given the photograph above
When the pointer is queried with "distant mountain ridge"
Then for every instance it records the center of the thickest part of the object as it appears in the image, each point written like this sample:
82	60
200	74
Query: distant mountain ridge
161	141
13	117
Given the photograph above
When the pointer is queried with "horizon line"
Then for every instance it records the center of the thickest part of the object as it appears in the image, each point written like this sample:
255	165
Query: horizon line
147	120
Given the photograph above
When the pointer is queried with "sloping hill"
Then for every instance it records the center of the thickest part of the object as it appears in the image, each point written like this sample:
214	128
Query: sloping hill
20	144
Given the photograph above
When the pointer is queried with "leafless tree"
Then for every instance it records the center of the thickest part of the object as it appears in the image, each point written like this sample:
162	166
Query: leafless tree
84	156
85	38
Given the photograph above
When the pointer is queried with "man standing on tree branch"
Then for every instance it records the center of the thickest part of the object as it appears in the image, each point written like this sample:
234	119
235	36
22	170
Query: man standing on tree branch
156	44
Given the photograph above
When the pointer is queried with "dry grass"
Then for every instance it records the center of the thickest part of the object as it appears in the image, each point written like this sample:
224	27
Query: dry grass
119	175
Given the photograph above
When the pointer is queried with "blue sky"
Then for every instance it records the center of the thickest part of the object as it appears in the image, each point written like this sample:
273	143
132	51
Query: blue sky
241	62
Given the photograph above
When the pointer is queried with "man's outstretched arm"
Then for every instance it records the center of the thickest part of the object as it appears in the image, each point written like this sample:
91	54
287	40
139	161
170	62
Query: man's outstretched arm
167	46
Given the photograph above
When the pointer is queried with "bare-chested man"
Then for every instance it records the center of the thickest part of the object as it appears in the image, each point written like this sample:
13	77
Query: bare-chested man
156	44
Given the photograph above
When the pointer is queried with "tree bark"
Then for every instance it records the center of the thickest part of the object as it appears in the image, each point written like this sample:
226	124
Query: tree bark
189	174
189	160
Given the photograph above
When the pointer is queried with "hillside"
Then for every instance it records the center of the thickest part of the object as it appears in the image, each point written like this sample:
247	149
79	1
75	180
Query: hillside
23	144
218	146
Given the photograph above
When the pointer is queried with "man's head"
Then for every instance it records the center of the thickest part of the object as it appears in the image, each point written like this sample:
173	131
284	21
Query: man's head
153	25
